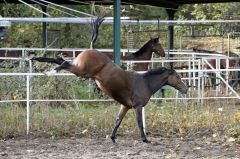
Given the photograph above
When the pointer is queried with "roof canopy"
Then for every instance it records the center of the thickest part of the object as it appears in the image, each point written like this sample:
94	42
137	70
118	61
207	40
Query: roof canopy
157	3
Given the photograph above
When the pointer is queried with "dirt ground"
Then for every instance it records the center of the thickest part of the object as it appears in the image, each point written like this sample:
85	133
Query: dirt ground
43	148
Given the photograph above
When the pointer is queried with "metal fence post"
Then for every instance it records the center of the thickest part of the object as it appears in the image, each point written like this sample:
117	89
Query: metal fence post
28	102
28	96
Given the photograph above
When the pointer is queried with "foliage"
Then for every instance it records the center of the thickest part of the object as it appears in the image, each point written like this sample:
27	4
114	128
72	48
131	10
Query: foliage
214	11
81	119
78	36
97	119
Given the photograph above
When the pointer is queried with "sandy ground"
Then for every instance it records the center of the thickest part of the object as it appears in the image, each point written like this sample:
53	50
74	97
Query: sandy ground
43	148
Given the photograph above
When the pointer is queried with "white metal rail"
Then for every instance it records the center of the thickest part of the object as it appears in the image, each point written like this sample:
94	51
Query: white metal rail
192	70
109	20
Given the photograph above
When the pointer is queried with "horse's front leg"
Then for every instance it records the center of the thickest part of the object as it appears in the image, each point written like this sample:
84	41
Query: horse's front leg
138	112
122	112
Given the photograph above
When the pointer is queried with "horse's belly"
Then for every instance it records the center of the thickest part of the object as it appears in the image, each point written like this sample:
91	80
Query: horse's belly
119	95
102	88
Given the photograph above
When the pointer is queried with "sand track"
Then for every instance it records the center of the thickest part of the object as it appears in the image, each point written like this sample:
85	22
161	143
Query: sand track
218	147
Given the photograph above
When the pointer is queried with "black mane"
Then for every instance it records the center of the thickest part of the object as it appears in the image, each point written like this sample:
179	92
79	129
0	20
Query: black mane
143	49
156	71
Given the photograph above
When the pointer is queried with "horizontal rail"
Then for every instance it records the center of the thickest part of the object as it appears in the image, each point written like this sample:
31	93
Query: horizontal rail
109	20
109	100
35	74
153	60
172	52
159	60
58	100
70	74
14	58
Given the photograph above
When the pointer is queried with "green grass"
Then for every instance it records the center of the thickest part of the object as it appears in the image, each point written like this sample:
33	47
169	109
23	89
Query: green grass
97	119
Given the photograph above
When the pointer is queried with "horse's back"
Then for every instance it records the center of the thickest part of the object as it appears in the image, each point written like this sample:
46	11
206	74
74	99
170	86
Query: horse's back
90	62
92	55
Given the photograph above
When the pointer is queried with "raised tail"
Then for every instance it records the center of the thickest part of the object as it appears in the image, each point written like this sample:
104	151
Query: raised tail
58	61
96	23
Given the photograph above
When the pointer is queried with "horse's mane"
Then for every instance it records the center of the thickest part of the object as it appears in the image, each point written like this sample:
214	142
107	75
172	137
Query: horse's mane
144	47
232	54
156	71
202	50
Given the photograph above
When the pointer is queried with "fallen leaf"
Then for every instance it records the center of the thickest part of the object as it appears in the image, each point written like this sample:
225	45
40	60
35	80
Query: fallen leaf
231	139
84	131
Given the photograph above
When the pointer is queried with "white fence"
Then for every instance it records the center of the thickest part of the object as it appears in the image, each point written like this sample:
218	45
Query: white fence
195	63
195	75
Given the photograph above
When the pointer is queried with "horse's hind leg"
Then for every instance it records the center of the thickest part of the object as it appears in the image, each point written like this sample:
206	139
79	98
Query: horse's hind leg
64	66
122	112
138	111
58	61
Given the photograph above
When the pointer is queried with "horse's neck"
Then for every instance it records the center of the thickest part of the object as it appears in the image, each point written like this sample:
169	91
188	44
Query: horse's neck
155	82
146	53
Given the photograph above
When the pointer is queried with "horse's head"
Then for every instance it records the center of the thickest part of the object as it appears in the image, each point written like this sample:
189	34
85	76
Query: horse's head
157	47
175	81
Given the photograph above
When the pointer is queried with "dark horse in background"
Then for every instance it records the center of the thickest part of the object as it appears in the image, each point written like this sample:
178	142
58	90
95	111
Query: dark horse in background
130	89
145	53
233	63
10	53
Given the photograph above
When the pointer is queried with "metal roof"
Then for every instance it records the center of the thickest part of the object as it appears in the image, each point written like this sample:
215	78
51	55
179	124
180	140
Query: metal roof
157	3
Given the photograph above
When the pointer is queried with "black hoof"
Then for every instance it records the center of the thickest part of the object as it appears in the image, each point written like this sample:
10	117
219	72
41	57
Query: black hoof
146	141
113	139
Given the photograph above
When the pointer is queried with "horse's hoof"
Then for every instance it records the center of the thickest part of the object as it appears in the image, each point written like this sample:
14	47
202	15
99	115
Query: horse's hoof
50	73
113	139
146	141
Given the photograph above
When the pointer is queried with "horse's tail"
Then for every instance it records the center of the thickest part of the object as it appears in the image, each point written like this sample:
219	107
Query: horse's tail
58	61
96	23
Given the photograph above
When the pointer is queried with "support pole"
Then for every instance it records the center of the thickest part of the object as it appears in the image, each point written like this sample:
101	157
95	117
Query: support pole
28	104
170	13
44	29
117	32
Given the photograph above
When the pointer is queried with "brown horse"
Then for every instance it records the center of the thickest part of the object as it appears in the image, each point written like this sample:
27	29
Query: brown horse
10	53
223	64
130	89
14	54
